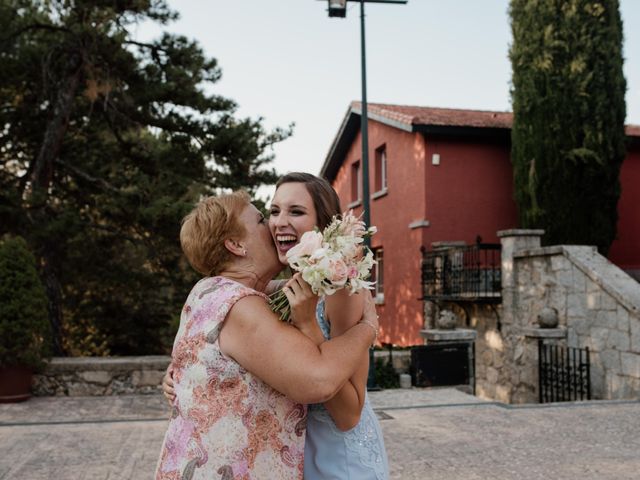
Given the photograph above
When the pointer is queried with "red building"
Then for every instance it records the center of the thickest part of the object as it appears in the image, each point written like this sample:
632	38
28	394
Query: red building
439	175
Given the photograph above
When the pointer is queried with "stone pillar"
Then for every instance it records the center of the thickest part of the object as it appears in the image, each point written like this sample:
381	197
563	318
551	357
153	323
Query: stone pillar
511	375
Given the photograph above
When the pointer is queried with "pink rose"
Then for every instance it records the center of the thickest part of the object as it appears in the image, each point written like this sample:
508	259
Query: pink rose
338	272
352	271
309	243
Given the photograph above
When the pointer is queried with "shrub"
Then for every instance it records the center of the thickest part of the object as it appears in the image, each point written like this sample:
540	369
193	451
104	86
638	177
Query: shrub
386	376
25	333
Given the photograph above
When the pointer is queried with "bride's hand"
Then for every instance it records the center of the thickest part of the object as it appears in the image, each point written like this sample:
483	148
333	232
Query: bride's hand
302	300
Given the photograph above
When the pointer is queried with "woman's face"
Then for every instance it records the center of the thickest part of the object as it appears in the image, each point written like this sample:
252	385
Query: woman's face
292	214
258	240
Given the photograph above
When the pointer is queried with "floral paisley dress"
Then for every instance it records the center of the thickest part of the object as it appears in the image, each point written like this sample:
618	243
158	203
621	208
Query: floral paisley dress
331	454
226	424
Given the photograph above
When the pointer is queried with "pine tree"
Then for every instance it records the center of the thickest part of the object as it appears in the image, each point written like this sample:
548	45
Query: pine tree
105	143
568	140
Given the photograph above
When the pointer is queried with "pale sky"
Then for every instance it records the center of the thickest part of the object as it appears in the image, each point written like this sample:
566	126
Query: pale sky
287	61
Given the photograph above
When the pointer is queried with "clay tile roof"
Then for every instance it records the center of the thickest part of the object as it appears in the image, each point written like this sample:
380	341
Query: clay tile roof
451	117
632	130
412	115
415	119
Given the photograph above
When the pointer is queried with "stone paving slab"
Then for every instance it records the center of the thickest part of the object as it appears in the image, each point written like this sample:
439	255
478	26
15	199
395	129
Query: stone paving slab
444	434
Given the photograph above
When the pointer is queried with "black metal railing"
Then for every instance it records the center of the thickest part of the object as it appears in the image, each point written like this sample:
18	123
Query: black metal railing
470	273
564	373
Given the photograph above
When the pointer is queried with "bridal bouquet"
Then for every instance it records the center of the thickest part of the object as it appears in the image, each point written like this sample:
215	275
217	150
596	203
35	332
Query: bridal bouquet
330	260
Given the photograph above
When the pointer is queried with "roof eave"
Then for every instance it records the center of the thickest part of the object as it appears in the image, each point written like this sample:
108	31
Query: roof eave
344	138
499	133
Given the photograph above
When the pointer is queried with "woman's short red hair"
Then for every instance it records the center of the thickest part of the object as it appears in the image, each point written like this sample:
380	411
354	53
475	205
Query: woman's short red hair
205	229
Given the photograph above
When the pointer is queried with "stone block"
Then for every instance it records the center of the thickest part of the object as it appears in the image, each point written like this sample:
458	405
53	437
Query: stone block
618	340
498	359
99	377
486	358
615	387
576	305
634	327
629	388
580	325
630	364
622	316
606	318
599	338
610	360
597	381
503	394
518	353
492	375
572	338
486	391
607	302
529	376
142	378
593	300
120	385
592	287
579	280
82	389
559	263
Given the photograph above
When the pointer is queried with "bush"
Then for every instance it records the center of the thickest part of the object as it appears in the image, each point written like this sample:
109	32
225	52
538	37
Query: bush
25	333
386	376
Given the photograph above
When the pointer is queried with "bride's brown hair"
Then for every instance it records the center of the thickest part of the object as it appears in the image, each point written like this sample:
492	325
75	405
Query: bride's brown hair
325	199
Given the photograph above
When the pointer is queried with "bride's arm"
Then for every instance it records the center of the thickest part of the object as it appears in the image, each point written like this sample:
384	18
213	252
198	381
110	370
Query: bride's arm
344	311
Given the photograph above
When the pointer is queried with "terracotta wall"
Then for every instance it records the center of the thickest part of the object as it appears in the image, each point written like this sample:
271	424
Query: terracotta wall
401	313
625	250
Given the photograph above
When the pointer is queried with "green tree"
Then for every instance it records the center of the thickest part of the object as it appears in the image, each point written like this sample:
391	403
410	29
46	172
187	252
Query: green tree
25	333
568	138
105	143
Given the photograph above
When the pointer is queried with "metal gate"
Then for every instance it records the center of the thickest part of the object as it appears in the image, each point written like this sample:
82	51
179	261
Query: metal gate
443	364
564	374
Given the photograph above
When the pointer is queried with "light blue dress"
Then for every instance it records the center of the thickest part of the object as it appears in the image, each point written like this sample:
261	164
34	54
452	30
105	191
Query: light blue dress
330	454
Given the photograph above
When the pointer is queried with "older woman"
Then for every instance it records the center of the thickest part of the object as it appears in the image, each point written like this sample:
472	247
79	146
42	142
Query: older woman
241	376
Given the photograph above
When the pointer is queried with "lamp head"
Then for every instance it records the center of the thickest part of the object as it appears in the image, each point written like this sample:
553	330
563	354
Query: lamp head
338	8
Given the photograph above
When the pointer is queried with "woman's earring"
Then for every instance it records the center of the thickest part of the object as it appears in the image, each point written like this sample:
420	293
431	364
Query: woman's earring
244	252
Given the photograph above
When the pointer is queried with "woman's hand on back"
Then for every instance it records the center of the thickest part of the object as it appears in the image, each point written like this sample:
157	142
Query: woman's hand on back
168	389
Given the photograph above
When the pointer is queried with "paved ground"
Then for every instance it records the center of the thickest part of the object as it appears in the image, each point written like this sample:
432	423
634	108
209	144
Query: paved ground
430	434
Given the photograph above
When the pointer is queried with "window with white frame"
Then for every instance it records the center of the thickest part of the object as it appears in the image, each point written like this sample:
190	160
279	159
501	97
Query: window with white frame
381	169
377	275
356	182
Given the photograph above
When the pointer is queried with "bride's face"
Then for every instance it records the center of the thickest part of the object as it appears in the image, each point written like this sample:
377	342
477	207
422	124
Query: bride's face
292	214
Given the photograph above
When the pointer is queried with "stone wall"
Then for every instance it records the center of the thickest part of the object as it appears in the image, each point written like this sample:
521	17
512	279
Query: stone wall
89	376
486	320
86	376
597	304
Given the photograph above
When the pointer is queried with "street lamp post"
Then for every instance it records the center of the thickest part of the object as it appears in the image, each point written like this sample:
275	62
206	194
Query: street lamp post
338	8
